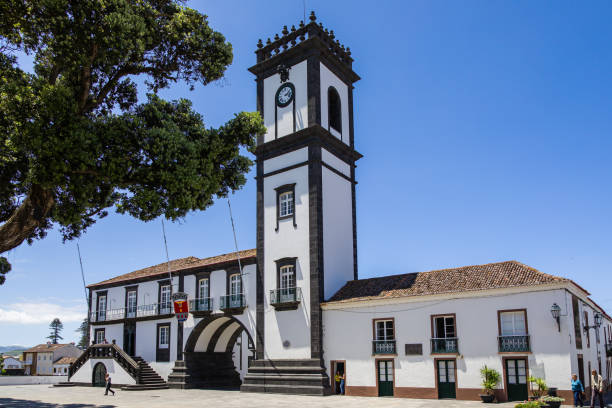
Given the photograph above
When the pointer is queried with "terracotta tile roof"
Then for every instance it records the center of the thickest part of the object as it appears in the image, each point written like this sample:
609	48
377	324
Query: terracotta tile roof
467	278
176	265
44	348
65	360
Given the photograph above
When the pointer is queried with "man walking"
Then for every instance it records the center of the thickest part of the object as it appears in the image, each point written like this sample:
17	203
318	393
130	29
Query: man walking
108	384
597	389
578	390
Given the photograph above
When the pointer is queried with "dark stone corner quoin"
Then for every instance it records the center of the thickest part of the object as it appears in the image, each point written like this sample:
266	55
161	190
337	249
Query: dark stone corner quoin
312	43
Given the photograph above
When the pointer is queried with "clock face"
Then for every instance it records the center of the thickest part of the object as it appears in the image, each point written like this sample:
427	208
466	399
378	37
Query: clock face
285	94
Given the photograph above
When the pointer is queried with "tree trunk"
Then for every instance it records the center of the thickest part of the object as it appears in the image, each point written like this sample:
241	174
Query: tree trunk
35	209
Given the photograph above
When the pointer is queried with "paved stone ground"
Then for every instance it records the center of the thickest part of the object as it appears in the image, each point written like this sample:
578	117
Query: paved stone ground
43	396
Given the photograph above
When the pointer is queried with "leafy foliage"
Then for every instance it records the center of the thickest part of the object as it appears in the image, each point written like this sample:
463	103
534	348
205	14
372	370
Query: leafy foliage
84	330
540	383
56	328
74	139
529	404
490	379
5	267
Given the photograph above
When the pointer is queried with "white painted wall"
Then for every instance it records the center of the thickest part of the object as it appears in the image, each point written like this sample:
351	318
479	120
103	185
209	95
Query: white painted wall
329	79
286	160
331	160
29	380
288	241
348	336
117	373
337	232
298	77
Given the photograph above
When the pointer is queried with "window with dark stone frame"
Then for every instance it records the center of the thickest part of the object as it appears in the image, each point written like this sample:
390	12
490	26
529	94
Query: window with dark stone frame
287	188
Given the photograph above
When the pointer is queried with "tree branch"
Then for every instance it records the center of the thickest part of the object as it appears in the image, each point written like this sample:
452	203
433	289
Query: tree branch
30	214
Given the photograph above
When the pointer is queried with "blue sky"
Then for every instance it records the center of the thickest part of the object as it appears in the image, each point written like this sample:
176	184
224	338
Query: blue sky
486	130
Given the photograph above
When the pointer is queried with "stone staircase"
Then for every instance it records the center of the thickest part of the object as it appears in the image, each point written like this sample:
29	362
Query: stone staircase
148	379
306	377
205	370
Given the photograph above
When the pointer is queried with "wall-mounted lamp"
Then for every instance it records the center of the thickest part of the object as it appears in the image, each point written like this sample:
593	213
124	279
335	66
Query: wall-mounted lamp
597	324
555	311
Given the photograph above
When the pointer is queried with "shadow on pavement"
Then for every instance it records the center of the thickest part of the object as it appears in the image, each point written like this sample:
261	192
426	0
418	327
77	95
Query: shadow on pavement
19	403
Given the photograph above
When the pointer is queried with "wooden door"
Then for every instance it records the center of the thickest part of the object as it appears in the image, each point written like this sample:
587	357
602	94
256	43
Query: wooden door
516	379
98	375
447	384
385	378
129	338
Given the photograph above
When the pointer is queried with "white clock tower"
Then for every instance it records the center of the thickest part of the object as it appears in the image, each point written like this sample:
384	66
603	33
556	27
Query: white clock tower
306	234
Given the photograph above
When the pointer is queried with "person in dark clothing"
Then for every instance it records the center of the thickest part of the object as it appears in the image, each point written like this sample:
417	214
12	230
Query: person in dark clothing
108	384
578	390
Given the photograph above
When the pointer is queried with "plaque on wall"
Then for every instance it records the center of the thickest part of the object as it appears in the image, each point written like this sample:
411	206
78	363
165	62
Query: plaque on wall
414	349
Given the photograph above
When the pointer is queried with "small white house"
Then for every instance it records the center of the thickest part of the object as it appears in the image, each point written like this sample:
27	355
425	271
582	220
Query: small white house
39	359
12	365
62	365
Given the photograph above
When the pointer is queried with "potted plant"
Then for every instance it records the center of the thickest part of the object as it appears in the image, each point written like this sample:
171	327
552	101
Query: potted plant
530	404
490	380
542	387
552	402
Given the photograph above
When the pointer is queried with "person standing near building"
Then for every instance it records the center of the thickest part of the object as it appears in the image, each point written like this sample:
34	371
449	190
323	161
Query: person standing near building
577	389
337	378
342	383
597	389
108	384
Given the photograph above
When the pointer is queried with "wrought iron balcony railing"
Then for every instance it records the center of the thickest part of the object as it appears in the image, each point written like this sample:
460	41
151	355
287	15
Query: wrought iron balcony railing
232	302
201	305
131	312
285	296
383	347
445	345
508	344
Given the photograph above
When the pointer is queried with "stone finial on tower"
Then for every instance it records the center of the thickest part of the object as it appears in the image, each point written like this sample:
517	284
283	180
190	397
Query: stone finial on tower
312	16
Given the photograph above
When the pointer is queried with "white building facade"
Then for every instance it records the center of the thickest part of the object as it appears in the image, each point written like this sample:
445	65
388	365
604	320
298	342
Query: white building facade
297	313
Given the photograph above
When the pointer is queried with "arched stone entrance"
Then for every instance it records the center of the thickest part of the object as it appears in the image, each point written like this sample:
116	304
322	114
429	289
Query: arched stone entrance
208	355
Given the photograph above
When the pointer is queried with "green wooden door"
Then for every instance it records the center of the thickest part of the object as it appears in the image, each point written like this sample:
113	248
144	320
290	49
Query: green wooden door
385	378
98	375
516	378
446	379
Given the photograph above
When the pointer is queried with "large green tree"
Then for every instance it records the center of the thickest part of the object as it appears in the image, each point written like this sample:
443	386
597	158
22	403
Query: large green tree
56	328
74	139
84	331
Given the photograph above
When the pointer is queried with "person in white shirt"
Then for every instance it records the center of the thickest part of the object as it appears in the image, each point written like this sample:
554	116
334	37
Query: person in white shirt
597	389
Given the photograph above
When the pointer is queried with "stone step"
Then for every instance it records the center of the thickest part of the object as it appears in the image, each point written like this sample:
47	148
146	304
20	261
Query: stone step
313	363
286	389
64	384
288	370
143	387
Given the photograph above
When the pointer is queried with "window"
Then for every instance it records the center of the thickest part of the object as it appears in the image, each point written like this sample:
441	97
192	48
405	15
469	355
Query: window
131	299
444	327
203	289
163	342
99	336
164	337
513	323
577	328
235	284
165	304
287	277
384	337
586	323
384	330
334	110
285	203
102	307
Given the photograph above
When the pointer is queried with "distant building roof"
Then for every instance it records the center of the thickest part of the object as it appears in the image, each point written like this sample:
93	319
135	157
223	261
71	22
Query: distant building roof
189	262
43	348
453	280
65	360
